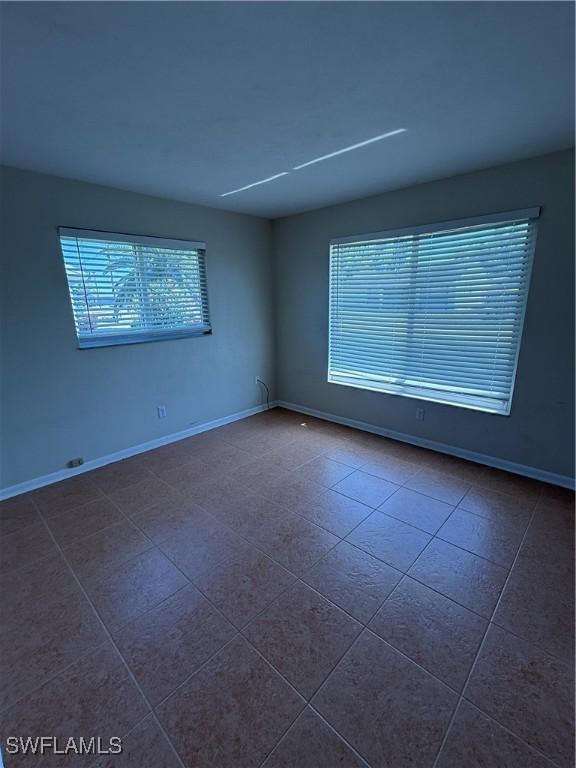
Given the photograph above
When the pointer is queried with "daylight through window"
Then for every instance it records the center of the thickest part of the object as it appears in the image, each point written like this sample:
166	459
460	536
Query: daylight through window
433	312
128	288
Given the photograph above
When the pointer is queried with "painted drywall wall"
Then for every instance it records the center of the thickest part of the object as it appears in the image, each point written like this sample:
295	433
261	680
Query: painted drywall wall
58	402
538	432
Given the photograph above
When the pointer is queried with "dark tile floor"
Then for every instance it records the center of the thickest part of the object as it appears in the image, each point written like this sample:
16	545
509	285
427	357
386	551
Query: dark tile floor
286	592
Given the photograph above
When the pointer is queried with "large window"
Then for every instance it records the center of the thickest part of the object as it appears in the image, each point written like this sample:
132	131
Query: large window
128	288
433	312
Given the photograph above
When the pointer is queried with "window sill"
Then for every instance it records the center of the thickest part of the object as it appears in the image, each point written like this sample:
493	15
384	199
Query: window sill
470	402
141	338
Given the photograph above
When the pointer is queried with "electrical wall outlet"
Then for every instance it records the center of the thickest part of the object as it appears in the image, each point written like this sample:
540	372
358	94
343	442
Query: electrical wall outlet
76	462
420	414
161	410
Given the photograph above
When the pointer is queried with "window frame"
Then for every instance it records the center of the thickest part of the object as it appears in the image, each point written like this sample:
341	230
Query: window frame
409	391
148	335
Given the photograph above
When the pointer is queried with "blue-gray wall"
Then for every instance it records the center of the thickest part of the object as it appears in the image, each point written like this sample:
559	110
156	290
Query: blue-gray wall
539	431
58	402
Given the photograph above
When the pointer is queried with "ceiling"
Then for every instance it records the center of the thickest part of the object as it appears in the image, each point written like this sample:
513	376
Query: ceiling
193	100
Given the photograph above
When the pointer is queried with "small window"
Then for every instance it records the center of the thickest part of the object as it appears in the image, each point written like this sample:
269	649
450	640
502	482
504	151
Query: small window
433	312
127	289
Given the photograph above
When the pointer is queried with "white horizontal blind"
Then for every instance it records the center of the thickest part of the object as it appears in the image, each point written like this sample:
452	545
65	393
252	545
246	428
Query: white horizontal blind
433	313
127	288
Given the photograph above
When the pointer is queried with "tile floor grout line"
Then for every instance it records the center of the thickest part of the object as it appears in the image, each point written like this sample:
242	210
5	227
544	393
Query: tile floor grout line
458	694
300	579
325	682
433	535
480	647
340	736
53	676
240	632
204	664
515	735
413	661
116	648
158	546
257	545
105	495
191	581
306	698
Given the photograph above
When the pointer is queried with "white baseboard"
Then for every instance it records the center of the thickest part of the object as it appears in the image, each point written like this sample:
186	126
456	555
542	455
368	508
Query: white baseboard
63	474
462	453
480	458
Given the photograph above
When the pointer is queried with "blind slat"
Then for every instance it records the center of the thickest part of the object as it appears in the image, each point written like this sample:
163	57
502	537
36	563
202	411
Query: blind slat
126	288
435	315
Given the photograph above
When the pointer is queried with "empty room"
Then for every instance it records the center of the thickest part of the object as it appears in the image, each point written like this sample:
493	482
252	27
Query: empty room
287	384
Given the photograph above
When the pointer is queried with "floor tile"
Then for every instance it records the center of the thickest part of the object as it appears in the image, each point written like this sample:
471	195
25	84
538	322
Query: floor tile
437	633
132	587
550	536
190	445
506	482
418	510
95	696
470	580
188	475
527	691
65	495
295	543
260	480
263	444
324	471
161	521
17	513
438	485
83	521
391	711
497	506
294	454
476	741
164	458
30	587
258	474
333	511
303	636
218	494
289	490
232	712
389	540
538	605
248	508
560	497
165	645
496	540
139	496
198	546
109	547
244	585
47	624
222	456
466	471
311	743
248	514
120	474
144	747
25	546
350	453
391	468
366	489
354	580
